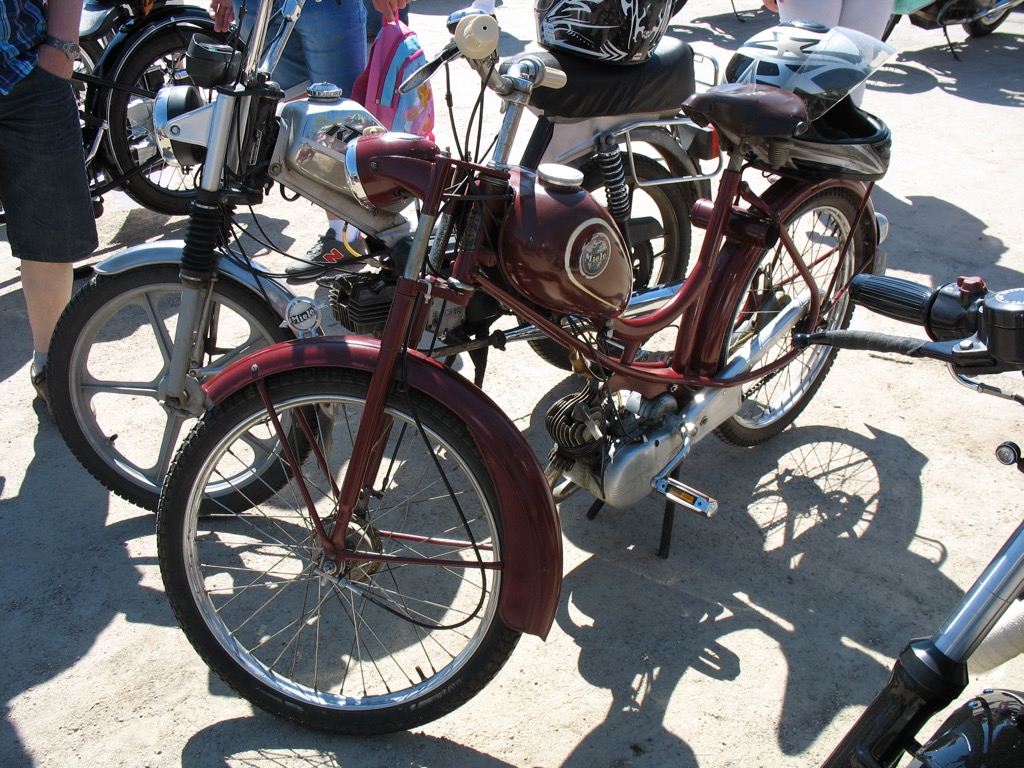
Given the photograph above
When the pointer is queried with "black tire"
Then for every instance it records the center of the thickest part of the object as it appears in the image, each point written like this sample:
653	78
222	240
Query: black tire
159	61
108	355
986	25
656	261
379	647
890	25
820	227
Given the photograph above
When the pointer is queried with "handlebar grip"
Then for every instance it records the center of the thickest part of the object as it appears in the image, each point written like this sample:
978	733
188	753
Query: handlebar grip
947	313
867	341
899	299
553	78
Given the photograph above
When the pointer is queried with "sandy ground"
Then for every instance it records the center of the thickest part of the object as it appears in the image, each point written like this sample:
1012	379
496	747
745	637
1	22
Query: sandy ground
756	643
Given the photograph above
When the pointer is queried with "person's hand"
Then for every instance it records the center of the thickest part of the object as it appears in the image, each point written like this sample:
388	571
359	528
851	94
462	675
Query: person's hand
222	13
771	5
390	8
54	61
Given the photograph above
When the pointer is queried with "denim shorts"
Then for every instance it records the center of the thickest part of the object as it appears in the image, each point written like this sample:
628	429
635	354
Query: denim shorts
43	185
328	44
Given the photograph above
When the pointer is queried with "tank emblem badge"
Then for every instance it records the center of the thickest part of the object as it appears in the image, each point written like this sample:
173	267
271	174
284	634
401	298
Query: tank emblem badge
595	255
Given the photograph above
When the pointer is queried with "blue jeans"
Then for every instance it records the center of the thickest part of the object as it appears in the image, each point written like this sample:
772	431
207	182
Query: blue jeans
328	44
43	186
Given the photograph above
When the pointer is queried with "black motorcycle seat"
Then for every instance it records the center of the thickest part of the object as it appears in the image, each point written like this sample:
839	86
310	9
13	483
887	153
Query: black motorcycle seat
658	85
748	111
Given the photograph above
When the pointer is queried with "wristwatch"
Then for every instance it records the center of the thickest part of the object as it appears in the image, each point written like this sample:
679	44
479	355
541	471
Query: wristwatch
69	49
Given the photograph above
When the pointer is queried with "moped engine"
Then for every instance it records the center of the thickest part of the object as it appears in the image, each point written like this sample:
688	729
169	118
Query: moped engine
613	443
361	302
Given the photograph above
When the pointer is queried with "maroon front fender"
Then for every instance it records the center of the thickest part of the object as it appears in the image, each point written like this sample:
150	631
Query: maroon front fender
533	539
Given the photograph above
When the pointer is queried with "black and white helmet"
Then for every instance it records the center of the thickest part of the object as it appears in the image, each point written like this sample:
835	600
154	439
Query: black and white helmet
821	64
610	31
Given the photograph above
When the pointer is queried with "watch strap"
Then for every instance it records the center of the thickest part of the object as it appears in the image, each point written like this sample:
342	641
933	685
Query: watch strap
69	49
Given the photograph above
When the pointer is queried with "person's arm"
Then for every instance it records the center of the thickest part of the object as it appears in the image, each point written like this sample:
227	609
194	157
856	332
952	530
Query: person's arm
771	5
62	20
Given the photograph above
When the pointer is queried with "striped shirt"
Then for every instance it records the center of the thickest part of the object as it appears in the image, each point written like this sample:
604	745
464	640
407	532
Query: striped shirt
22	31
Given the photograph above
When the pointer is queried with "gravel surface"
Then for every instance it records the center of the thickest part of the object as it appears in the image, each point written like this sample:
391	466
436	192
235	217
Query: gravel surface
756	643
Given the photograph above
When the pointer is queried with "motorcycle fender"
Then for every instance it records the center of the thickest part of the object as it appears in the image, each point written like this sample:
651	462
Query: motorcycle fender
186	18
533	540
784	197
169	252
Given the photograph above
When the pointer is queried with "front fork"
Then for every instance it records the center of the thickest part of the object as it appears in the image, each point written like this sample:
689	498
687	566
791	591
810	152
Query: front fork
406	323
207	230
179	390
930	674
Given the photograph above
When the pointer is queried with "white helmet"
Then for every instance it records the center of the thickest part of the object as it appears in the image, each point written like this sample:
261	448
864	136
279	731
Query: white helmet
820	64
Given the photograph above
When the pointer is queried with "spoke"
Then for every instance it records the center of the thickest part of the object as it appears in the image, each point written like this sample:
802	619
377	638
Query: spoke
229	356
134	388
169	443
160	332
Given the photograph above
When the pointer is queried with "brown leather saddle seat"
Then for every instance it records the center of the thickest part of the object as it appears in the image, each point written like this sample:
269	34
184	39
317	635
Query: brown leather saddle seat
749	111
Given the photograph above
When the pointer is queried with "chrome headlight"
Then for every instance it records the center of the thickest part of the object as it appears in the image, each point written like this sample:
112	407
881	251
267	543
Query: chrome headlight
181	122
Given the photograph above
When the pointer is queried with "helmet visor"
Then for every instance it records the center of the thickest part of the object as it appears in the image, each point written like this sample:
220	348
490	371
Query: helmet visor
822	65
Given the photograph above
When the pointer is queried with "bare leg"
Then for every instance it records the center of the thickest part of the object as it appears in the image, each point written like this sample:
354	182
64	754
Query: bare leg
47	288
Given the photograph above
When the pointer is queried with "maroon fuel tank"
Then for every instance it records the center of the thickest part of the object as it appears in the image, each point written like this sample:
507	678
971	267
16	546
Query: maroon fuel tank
562	250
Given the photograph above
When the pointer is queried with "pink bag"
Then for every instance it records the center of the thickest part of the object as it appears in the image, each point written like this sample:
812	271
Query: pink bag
394	55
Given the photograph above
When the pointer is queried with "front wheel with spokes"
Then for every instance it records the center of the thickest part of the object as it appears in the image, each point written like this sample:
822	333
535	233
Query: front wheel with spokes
822	231
108	360
379	644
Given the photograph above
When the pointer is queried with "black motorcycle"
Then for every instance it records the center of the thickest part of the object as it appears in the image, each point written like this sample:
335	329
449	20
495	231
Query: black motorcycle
131	49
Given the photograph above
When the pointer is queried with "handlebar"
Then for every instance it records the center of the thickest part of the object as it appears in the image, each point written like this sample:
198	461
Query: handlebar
974	330
475	38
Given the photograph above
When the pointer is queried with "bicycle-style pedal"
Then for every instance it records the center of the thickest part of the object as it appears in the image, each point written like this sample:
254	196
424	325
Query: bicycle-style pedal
686	497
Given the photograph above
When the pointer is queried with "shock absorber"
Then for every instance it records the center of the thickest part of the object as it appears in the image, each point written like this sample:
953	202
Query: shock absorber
609	159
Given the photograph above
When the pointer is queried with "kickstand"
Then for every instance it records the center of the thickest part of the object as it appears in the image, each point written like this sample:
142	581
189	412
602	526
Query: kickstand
479	359
666	529
594	509
945	31
737	13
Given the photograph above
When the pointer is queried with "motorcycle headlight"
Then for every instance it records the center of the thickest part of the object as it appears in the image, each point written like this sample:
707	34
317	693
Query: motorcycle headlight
211	63
181	122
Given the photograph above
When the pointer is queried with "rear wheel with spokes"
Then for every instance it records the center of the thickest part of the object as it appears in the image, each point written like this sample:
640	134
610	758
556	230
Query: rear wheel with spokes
381	644
159	62
820	227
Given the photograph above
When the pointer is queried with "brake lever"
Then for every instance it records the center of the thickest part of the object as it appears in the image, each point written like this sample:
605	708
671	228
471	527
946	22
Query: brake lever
449	53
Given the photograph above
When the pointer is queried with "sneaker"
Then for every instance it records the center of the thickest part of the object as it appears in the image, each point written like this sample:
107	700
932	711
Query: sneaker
39	382
328	253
